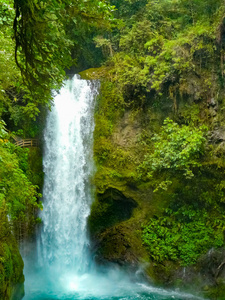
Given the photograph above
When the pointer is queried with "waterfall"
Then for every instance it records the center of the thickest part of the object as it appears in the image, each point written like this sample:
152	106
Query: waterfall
63	242
62	267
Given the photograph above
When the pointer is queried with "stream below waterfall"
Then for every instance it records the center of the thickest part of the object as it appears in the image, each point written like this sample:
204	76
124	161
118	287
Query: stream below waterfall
61	266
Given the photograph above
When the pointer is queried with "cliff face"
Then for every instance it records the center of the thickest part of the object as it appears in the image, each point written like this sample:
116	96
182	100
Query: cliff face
11	264
135	223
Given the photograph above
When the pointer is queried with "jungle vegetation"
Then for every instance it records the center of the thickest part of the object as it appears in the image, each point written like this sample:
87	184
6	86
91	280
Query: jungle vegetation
152	53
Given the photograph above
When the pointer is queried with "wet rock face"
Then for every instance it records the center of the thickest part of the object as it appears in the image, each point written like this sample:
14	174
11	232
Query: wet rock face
127	131
212	269
206	278
211	274
115	246
212	106
217	135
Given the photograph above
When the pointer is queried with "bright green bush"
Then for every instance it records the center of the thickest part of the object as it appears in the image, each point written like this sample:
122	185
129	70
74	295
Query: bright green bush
182	239
177	150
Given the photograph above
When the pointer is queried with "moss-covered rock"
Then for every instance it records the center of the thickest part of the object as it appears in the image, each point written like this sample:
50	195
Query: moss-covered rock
11	264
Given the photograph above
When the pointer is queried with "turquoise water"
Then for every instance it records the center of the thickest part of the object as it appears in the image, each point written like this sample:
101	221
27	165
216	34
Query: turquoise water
136	292
103	284
141	296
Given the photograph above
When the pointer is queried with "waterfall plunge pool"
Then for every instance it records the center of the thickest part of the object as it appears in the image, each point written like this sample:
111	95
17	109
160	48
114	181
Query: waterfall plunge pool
108	285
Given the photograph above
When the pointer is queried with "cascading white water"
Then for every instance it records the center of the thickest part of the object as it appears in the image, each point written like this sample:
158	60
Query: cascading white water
63	241
61	268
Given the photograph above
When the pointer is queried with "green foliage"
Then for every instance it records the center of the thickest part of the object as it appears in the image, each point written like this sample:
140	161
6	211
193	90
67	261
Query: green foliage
168	48
102	149
42	49
177	149
17	193
35	170
136	38
9	72
171	238
43	42
12	100
127	9
36	42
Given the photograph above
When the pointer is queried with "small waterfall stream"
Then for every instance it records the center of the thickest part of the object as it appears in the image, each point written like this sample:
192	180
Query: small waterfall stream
62	267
